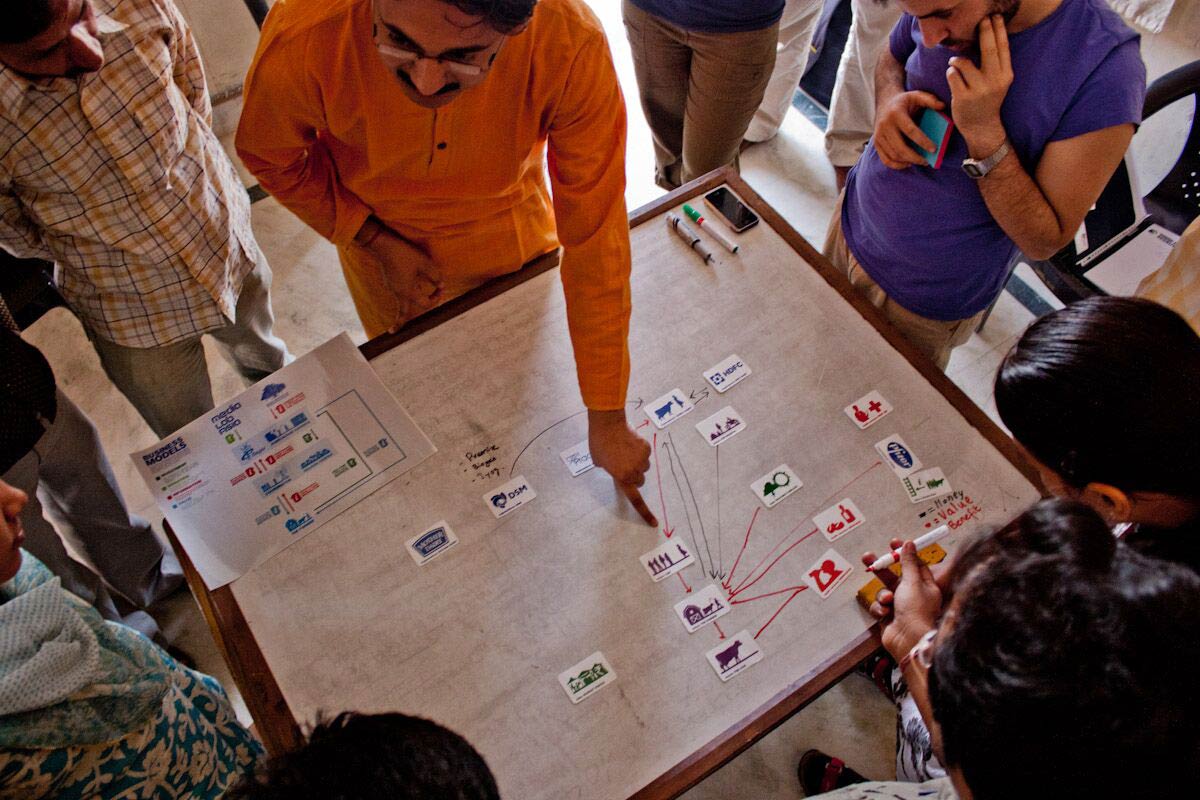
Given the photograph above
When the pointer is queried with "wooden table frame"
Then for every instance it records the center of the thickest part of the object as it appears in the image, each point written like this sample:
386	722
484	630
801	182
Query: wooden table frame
276	724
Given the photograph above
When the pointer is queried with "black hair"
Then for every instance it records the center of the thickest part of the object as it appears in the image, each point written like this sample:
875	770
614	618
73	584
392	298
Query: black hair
504	16
374	757
1068	669
24	19
1106	390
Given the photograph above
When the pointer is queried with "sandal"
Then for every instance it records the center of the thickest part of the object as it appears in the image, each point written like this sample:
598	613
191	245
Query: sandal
821	773
877	668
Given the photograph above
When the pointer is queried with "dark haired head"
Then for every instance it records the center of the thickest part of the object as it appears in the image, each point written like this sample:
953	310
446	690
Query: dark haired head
374	757
24	19
504	16
1106	391
1066	668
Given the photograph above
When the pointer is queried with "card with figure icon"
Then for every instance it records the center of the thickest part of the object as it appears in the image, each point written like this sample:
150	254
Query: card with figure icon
828	573
868	409
668	408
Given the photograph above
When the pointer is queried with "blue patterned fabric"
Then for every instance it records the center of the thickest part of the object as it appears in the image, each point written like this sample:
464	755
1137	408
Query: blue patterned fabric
140	726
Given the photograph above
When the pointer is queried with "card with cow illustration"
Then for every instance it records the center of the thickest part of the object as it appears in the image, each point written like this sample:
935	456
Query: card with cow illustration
734	655
668	408
702	607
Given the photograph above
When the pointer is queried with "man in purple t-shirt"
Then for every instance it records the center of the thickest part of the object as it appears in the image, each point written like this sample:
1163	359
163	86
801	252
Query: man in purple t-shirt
1044	95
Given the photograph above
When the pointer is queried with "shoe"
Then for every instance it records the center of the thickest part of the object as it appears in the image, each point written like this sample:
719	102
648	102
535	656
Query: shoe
820	773
877	668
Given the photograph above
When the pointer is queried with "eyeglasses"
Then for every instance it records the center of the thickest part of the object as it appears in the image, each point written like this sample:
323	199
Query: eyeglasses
407	58
404	57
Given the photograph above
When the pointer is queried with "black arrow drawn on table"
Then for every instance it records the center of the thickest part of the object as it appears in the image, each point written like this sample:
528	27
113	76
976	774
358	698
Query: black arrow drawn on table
694	399
635	403
720	570
673	456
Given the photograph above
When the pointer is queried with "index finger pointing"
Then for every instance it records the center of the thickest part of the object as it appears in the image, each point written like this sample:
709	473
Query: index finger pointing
635	498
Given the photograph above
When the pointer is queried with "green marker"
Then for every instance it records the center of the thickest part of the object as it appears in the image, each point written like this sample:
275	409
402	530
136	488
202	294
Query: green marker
712	230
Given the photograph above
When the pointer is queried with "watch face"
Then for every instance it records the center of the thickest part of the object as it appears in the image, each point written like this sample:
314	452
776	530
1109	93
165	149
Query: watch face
972	169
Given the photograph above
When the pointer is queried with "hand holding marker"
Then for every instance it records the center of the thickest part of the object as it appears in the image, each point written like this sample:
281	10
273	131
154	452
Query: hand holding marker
893	557
713	230
676	223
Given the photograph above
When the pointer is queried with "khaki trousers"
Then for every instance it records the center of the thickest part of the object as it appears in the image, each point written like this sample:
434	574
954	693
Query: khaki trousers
699	91
935	338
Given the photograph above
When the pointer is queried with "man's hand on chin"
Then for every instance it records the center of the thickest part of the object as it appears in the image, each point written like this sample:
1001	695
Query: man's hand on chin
622	454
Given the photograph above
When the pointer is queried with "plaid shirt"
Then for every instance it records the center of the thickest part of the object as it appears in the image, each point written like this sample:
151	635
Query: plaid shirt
117	177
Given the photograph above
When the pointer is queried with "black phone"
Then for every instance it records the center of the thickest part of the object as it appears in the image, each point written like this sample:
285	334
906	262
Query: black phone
727	204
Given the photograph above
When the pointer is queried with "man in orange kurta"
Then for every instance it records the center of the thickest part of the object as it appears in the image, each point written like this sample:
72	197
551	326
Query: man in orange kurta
411	134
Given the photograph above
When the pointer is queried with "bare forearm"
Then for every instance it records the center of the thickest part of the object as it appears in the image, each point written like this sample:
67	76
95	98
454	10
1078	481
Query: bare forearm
1020	208
889	79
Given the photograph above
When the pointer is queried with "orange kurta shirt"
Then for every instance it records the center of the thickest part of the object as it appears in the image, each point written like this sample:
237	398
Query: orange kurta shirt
328	131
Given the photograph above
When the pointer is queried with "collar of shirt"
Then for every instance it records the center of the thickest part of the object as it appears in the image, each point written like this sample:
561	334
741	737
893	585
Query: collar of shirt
14	86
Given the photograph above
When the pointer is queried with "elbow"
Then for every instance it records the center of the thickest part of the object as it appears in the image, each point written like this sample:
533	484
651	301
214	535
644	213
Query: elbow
1039	251
1043	247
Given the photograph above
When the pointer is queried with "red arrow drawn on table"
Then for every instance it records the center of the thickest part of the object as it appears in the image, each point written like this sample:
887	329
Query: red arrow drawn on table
729	581
779	610
669	532
718	627
681	580
645	422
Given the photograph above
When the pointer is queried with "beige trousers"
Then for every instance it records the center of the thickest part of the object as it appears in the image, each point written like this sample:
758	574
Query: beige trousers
852	107
935	338
796	29
699	91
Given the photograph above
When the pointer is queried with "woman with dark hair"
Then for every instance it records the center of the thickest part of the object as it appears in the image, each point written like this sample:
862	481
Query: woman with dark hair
1102	396
1057	663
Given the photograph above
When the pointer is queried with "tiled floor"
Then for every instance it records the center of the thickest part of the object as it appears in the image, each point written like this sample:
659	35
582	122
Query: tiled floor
312	304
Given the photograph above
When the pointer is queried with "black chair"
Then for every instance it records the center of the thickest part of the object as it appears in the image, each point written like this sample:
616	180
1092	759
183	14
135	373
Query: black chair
1173	203
258	9
27	287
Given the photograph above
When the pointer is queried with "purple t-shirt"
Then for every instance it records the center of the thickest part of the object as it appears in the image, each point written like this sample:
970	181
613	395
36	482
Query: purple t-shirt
925	235
715	16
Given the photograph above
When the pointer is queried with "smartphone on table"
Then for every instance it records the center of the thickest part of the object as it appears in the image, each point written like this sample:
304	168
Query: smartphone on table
725	203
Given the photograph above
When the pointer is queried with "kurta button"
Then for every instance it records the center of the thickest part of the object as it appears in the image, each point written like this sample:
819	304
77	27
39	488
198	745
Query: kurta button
441	145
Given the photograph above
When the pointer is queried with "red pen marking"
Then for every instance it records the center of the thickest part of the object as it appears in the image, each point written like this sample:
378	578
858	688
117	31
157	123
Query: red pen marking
718	627
734	602
736	561
645	422
779	610
681	580
835	493
763	574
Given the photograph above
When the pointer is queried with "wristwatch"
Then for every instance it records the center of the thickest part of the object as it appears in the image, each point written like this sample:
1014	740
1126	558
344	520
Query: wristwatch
978	167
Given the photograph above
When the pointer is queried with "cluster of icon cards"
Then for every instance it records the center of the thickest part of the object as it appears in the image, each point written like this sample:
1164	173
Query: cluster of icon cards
919	484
